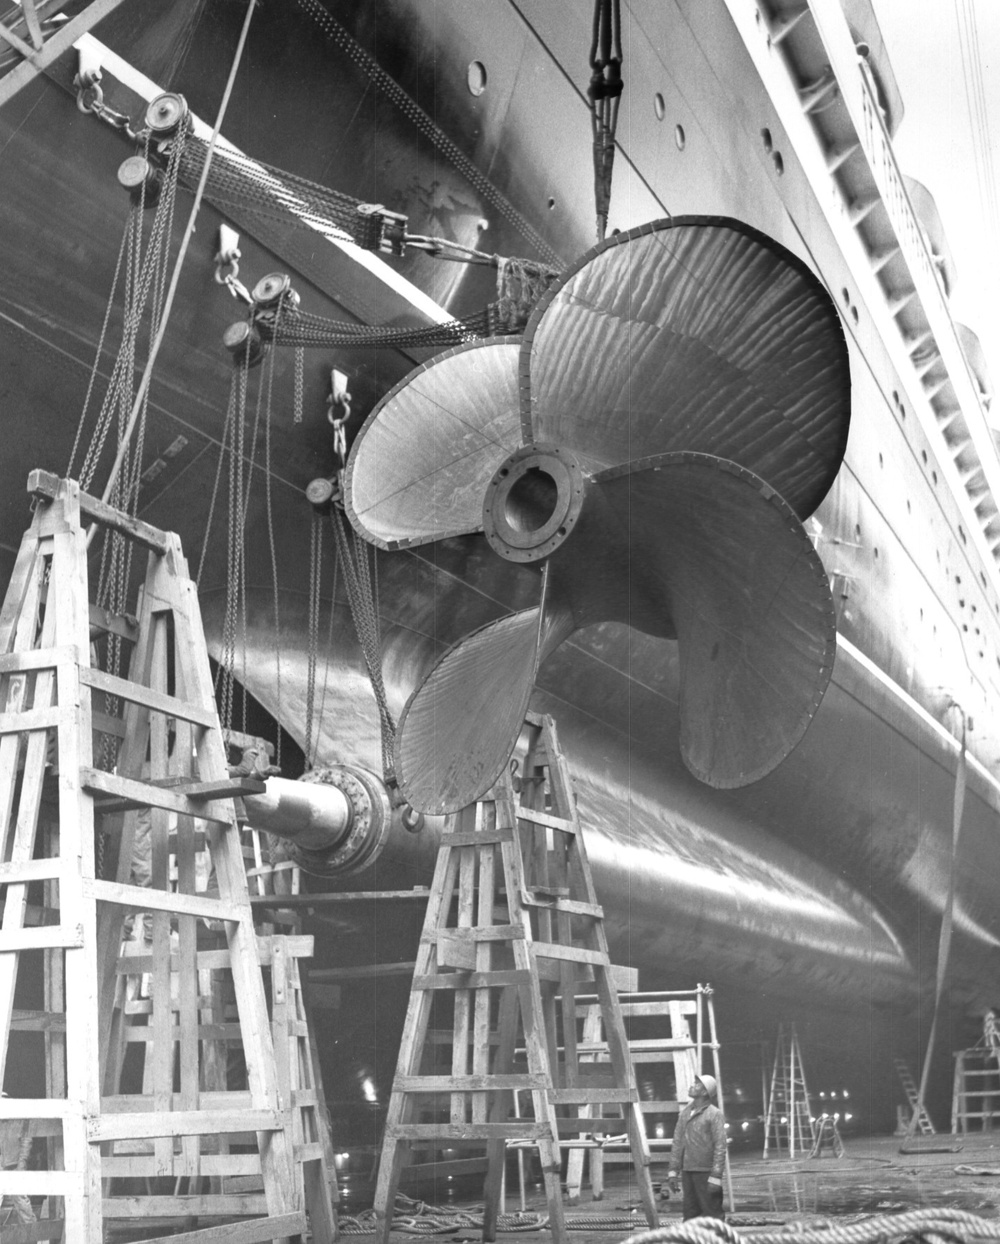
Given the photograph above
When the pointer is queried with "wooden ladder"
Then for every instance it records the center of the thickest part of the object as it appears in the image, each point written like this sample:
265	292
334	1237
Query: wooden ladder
906	1079
512	930
166	777
788	1124
658	1027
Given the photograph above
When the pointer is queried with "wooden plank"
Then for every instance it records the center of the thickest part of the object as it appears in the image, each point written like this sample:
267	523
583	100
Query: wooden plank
158	701
40	1183
537	817
134	1126
184	1206
103	723
30	719
299	946
38	1021
31	870
654	1008
223	788
132	793
114	623
30	1232
36	1108
589	1096
43	658
420	893
472	980
222	1101
41	937
45	484
252	1231
467	1083
141	1165
569	906
572	954
591	1126
146	898
476	933
477	838
513	1130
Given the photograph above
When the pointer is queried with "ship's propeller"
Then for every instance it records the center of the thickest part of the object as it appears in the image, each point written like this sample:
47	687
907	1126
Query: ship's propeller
679	401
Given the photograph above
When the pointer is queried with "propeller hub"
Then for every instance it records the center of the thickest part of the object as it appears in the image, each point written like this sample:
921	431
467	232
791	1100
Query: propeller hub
533	502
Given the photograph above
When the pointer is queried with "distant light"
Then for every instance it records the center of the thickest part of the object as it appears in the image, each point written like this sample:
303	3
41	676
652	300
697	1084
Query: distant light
822	1094
833	1093
368	1088
727	1127
744	1125
846	1093
812	1119
848	1118
784	1120
659	1131
836	1117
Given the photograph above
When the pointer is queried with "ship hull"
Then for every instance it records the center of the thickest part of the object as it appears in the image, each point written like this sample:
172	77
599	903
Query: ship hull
816	893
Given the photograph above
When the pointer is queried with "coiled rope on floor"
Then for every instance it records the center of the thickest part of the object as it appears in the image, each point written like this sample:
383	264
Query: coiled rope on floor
933	1226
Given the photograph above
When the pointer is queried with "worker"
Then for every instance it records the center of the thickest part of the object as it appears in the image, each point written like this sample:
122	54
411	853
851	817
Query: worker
698	1153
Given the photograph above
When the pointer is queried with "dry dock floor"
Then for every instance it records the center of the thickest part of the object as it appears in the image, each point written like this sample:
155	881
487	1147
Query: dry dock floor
872	1178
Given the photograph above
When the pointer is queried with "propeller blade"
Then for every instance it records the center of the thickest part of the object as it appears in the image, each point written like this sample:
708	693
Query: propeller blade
719	551
693	334
460	726
420	465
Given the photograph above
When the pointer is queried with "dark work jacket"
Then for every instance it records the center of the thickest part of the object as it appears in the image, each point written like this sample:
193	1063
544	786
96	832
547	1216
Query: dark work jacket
699	1140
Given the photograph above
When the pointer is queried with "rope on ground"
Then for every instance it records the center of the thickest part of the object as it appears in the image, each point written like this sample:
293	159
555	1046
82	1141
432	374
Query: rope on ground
932	1226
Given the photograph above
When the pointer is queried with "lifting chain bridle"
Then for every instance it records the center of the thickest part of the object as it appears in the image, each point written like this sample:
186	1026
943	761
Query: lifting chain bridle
604	94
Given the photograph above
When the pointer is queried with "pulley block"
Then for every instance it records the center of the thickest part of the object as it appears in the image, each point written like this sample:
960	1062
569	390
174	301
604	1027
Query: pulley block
167	114
141	179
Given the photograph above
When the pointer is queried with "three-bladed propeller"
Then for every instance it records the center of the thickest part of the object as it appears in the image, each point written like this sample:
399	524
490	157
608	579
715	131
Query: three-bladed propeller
680	400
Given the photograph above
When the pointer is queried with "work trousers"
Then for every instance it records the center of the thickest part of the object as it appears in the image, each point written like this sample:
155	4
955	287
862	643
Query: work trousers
701	1199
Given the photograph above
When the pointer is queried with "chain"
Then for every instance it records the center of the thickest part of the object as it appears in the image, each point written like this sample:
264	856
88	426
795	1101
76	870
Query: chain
412	110
315	573
90	98
305	329
297	399
235	557
226	432
274	556
364	610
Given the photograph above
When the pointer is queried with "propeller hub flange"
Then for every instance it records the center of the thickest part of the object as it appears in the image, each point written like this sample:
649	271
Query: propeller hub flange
532	502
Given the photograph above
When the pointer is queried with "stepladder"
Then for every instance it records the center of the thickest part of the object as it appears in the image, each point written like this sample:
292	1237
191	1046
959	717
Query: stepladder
788	1125
489	1057
143	1111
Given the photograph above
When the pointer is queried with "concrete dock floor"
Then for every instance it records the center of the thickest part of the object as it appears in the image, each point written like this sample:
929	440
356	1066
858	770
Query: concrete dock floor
873	1177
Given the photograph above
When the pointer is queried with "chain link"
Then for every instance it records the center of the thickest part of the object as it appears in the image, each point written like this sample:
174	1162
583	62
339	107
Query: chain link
412	110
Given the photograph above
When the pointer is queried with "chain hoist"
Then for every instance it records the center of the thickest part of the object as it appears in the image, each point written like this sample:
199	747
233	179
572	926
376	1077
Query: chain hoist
604	94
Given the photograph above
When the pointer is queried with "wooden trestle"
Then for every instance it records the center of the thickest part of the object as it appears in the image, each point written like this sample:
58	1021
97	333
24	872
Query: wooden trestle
188	1114
513	932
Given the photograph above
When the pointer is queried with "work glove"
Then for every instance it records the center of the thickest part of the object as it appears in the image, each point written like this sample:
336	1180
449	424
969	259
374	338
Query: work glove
674	1180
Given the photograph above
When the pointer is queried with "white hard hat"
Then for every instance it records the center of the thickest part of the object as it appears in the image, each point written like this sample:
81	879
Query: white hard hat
709	1083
